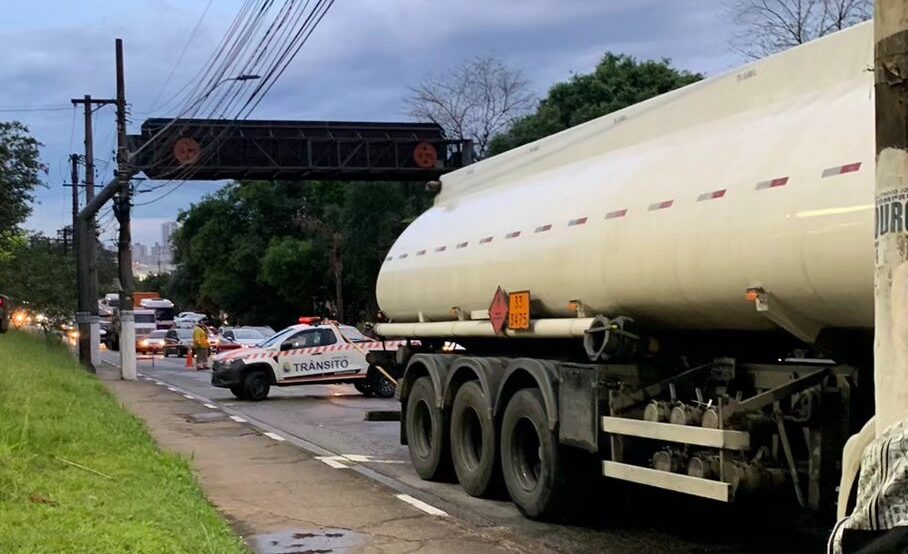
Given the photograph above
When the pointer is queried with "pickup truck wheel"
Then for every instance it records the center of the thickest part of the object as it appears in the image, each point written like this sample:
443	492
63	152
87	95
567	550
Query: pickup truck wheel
473	444
381	386
427	437
364	388
239	392
256	386
531	458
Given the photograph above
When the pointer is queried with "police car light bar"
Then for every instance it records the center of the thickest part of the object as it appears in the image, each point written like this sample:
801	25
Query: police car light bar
309	320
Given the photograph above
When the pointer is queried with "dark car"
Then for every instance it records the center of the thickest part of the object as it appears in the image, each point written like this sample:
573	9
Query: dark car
177	342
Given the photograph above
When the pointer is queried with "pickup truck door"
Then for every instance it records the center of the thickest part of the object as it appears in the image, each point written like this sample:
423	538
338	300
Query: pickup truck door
317	355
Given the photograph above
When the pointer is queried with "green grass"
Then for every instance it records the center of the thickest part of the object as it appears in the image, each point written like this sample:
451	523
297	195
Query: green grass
145	501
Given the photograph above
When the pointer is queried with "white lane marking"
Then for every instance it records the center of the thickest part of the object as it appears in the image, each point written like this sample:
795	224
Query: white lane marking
274	436
237	419
363	459
210	406
189	396
356	457
160	384
431	510
171	389
332	461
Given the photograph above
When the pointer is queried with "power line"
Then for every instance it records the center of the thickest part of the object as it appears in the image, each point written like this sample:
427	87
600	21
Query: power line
44	109
274	49
189	40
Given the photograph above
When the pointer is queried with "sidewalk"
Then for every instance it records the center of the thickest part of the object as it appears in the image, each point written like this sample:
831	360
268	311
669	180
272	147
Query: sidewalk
281	499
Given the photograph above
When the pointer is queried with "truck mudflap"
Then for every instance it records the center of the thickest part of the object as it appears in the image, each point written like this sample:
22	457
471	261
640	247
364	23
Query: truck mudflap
769	427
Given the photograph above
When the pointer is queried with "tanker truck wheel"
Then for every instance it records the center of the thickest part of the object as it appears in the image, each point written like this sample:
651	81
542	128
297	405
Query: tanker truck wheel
531	458
473	441
427	433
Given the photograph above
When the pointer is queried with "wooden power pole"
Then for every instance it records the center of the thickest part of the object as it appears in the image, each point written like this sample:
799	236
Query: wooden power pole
123	206
82	321
87	255
891	290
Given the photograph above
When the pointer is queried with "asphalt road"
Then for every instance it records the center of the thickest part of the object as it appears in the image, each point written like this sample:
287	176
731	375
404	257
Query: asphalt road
621	519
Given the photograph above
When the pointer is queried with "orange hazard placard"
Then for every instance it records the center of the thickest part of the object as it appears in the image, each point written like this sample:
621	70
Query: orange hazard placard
519	310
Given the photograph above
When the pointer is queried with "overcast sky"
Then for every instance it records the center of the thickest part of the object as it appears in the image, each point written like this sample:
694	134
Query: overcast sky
356	67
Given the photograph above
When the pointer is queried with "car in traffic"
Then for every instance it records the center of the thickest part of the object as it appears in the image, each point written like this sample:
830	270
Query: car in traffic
314	352
239	337
187	320
153	343
177	342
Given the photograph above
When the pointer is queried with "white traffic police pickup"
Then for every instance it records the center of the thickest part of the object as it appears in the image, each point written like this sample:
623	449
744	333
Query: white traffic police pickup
312	352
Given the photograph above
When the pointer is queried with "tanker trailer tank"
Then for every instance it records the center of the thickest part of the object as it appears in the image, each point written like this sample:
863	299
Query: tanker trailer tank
706	255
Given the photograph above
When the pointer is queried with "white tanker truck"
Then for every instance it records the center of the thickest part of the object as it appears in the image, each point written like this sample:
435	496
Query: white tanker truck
681	291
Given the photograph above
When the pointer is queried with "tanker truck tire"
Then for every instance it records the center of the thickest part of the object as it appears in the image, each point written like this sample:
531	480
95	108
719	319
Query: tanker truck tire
473	441
426	433
531	458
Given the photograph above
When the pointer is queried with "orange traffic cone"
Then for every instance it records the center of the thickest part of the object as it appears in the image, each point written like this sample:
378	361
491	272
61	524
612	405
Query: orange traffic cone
189	359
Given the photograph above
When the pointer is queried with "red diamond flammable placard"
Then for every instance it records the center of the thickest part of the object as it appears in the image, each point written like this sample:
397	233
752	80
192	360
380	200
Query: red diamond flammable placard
498	311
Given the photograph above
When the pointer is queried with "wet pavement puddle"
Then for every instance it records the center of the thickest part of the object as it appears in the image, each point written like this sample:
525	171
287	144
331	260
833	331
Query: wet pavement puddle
309	541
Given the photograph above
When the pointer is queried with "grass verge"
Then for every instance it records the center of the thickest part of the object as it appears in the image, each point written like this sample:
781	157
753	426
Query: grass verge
80	474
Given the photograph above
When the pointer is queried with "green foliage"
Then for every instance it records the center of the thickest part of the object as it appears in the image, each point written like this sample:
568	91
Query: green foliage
19	170
262	252
37	270
155	282
617	82
79	474
288	268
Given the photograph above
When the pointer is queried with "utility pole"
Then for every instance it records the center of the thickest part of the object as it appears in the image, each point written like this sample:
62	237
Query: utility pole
82	322
891	290
122	205
90	260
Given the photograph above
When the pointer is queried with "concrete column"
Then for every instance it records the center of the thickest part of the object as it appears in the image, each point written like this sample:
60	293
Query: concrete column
128	346
94	323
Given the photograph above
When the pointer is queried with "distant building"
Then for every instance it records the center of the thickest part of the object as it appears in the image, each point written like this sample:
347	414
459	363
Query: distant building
139	252
167	230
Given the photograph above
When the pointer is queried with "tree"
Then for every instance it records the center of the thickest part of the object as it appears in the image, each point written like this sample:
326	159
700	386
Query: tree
770	26
329	230
478	100
155	282
252	249
19	177
618	81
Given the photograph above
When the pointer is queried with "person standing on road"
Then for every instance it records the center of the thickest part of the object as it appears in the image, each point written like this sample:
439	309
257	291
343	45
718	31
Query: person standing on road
200	345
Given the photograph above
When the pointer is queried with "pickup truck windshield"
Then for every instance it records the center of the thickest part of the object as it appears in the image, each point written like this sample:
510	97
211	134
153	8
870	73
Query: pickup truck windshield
352	334
278	338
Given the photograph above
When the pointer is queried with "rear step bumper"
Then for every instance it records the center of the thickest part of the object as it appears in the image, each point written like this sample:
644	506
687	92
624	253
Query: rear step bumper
684	434
704	488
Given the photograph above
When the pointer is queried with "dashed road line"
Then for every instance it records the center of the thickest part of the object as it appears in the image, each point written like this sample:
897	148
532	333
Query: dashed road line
171	389
364	459
333	461
428	508
210	406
